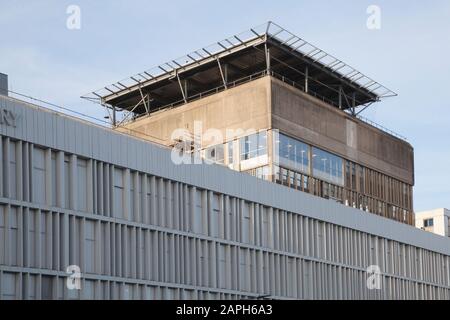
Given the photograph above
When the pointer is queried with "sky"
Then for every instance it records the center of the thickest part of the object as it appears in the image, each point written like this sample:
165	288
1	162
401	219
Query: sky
409	53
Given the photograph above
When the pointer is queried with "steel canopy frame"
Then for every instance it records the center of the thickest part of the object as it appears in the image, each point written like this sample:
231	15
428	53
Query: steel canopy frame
269	32
328	61
182	64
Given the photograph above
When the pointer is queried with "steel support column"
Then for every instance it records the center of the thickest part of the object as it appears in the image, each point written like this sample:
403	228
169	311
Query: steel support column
222	74
306	79
181	88
113	116
354	103
267	54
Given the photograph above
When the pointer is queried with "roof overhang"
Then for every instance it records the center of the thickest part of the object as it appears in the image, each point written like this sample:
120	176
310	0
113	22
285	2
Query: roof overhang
263	50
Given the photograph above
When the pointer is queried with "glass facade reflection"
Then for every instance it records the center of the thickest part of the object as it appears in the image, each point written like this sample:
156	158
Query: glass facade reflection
310	169
230	152
293	153
327	166
215	154
253	145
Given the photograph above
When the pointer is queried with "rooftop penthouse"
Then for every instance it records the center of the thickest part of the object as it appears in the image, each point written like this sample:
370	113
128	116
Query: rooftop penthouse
303	104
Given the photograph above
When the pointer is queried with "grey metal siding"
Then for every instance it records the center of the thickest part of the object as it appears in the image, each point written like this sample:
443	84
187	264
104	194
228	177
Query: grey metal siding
141	227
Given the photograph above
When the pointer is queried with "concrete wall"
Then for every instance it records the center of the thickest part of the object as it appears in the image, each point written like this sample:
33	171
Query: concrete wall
271	103
303	116
142	227
243	107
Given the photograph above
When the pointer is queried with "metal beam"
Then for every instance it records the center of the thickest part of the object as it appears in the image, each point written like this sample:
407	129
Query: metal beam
114	116
365	107
354	102
323	68
306	79
267	54
221	74
189	66
181	88
131	111
143	99
346	98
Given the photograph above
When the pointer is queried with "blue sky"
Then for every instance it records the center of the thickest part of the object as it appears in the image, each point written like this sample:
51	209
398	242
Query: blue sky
410	54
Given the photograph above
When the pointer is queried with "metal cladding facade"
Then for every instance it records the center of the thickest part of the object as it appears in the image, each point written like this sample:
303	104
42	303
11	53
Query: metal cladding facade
138	226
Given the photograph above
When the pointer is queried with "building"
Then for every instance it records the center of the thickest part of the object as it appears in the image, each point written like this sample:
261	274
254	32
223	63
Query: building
3	84
78	196
436	221
284	110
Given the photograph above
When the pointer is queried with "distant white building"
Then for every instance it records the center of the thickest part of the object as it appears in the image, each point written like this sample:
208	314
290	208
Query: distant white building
436	221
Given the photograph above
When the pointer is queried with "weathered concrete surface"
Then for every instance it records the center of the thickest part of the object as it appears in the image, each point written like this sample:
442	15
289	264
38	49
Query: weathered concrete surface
311	120
270	103
243	107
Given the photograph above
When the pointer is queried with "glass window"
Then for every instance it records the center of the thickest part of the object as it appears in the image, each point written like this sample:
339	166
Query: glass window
220	153
210	153
292	179
253	145
299	181
332	192
305	183
380	207
361	178
347	174
448	230
428	222
293	153
325	189
230	152
215	153
276	173
327	166
405	195
353	176
262	172
284	176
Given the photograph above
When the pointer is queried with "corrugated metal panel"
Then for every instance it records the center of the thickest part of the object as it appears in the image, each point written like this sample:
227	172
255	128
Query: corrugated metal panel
329	244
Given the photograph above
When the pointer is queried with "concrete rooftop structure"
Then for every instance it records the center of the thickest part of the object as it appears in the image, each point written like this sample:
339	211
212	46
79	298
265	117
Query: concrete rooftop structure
302	104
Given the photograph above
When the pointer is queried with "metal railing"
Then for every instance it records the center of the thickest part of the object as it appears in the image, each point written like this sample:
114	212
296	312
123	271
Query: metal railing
380	127
49	106
71	112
